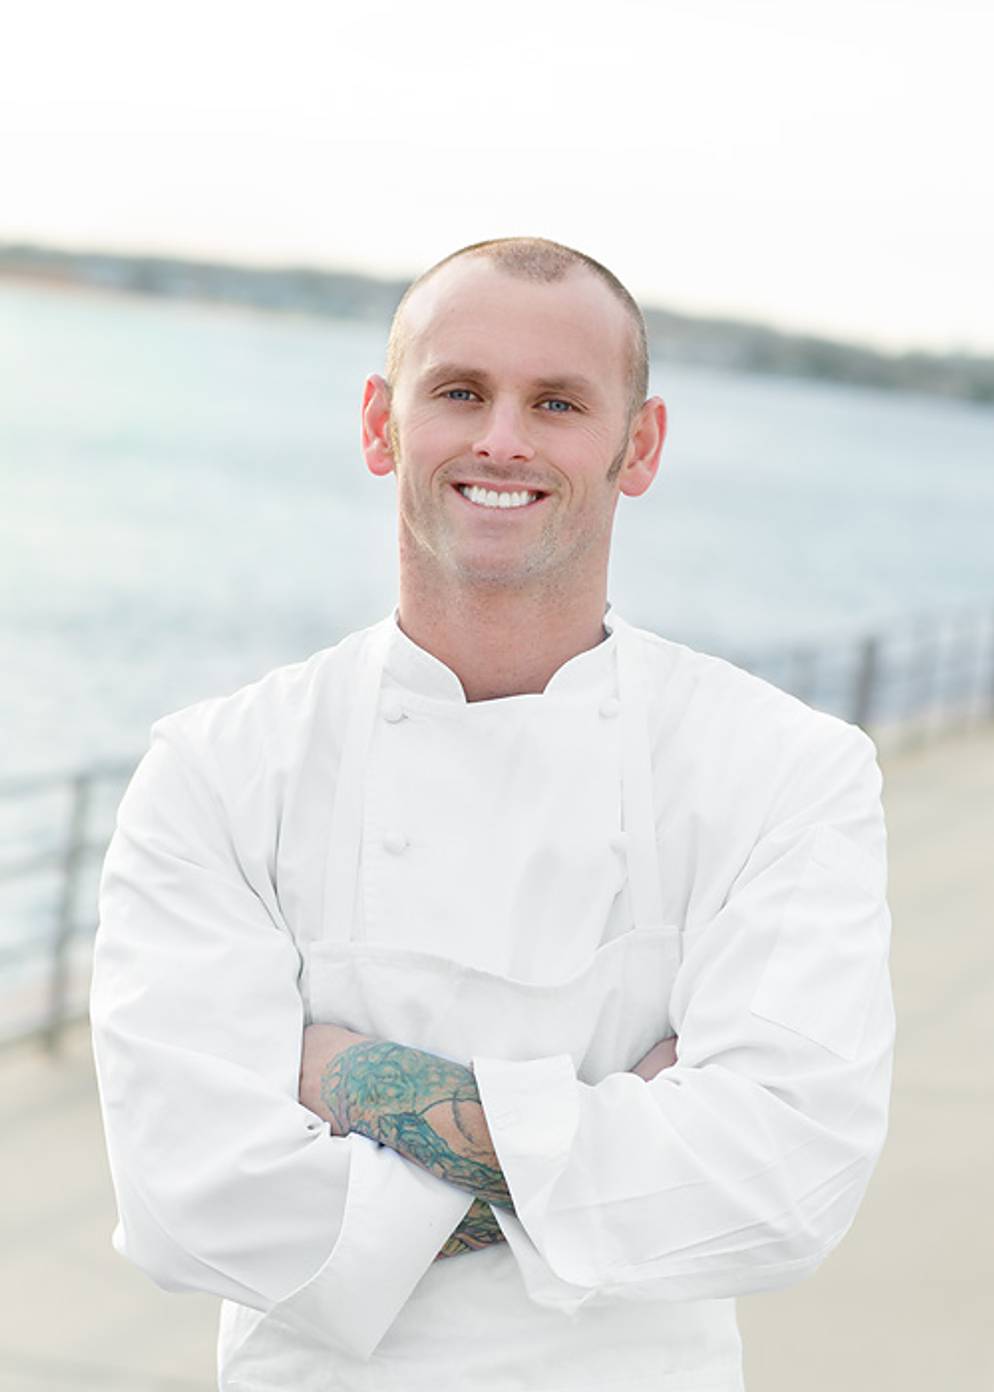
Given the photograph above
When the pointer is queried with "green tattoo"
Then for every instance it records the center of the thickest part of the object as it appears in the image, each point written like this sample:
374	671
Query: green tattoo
422	1106
479	1228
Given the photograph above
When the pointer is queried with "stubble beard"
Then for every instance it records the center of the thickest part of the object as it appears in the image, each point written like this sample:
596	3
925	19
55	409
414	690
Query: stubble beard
419	542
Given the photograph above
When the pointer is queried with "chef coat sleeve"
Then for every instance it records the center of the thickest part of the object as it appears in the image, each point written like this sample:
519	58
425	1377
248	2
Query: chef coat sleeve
742	1166
225	1182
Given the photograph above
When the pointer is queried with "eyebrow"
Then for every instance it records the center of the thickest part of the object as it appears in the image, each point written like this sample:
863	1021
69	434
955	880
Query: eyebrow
459	372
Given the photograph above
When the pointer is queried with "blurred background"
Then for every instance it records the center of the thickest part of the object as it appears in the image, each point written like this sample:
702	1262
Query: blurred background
207	215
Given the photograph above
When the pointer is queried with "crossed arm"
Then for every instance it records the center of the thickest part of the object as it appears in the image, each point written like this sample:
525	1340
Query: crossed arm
424	1107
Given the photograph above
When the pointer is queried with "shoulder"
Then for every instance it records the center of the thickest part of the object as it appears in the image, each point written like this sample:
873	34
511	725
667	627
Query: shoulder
713	689
707	713
266	721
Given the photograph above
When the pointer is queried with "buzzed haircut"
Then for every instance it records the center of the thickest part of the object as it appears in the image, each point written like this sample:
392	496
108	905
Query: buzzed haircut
536	258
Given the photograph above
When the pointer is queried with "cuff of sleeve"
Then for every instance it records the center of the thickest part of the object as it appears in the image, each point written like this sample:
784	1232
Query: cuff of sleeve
542	1284
397	1217
533	1112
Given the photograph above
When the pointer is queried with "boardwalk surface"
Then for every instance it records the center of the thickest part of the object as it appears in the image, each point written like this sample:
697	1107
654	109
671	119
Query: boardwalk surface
904	1303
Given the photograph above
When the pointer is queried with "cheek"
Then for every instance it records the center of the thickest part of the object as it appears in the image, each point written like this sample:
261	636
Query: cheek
586	454
596	440
428	432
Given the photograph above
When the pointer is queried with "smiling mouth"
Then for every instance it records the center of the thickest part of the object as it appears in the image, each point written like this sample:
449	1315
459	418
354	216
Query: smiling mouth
499	500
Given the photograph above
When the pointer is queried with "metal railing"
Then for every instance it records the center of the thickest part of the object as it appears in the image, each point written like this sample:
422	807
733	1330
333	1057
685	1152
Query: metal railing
922	678
61	861
926	679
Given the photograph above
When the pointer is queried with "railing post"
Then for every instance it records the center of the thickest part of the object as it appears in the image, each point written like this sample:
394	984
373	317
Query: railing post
66	920
866	680
803	665
924	667
971	650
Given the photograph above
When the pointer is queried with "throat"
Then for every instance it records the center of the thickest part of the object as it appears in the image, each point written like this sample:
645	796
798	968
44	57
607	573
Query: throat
504	652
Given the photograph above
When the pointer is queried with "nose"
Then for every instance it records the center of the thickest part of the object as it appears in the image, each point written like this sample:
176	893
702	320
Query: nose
504	435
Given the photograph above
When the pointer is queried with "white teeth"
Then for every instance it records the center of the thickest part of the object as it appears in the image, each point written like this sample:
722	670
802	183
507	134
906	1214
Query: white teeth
489	498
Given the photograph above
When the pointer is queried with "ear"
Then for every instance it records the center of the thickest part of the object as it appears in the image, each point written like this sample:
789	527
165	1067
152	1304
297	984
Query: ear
376	446
645	443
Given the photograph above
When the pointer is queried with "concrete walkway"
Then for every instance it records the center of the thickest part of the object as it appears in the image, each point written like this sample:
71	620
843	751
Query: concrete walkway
904	1304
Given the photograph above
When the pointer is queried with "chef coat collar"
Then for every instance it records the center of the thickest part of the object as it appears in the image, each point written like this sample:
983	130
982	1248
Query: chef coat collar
411	666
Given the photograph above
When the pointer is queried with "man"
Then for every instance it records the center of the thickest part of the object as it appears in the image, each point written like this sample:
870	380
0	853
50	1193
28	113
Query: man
490	999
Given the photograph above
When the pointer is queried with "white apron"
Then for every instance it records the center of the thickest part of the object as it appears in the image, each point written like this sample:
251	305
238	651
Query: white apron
503	1311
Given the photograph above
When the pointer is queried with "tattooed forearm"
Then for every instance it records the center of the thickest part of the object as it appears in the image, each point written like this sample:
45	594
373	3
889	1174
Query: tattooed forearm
422	1106
479	1228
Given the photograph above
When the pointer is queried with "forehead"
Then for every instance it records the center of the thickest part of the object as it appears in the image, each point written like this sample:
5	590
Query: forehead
473	312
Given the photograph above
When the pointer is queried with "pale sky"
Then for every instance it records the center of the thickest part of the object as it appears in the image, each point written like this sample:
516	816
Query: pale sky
820	166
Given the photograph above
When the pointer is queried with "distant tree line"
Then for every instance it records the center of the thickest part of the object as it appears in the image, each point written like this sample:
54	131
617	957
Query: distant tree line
720	343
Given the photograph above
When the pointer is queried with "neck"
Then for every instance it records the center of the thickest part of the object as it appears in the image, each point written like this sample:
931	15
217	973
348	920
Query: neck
502	644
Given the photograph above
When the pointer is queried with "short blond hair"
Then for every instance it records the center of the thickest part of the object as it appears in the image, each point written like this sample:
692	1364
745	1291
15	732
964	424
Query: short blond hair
536	258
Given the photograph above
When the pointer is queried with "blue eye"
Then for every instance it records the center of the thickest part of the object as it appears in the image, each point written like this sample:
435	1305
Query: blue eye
554	406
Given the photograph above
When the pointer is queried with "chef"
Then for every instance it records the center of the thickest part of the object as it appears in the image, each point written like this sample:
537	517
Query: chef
490	999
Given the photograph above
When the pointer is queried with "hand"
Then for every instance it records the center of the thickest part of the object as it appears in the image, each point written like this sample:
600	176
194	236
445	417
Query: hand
661	1055
322	1044
479	1228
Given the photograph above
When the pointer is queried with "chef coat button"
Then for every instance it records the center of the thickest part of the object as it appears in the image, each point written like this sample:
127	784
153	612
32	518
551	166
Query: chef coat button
619	842
610	706
394	842
392	709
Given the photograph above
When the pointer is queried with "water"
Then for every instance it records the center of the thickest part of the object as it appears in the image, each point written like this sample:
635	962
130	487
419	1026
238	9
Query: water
184	507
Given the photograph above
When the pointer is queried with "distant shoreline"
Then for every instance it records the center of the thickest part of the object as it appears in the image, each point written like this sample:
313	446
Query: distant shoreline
679	338
65	285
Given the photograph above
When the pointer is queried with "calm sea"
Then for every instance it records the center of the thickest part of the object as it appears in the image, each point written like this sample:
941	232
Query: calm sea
184	506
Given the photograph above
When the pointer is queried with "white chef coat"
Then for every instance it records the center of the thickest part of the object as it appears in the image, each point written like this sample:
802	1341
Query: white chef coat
540	886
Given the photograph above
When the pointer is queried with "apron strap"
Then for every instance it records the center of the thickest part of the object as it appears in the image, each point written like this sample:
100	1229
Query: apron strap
342	875
644	881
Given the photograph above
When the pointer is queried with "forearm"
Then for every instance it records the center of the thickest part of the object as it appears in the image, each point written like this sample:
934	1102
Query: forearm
480	1228
422	1106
